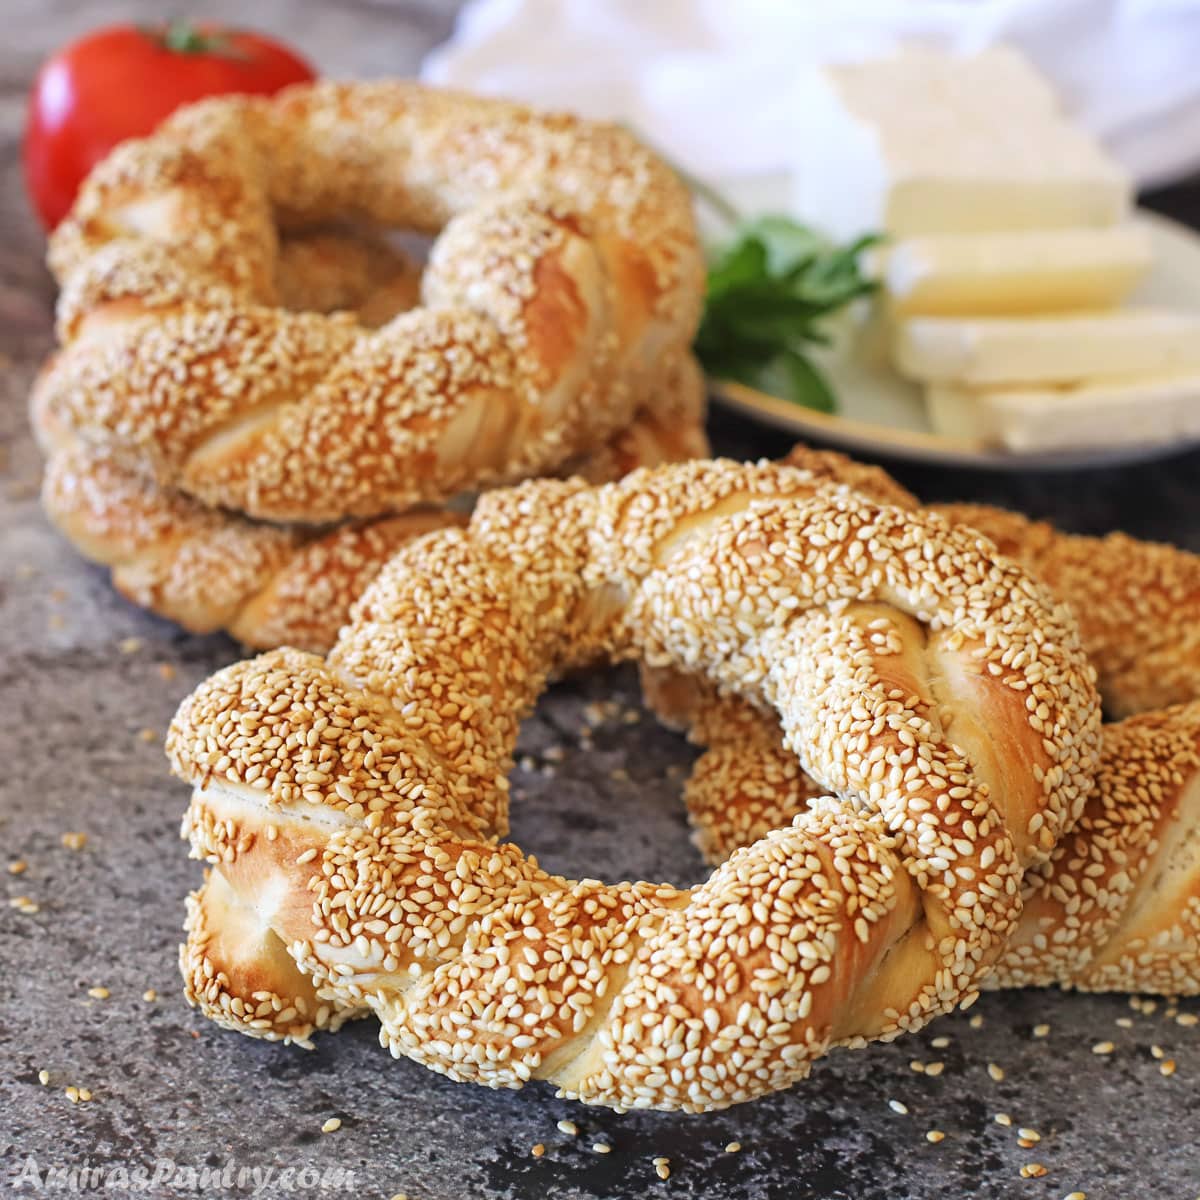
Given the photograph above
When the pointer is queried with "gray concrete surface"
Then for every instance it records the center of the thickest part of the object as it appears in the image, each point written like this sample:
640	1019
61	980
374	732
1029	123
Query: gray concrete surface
83	713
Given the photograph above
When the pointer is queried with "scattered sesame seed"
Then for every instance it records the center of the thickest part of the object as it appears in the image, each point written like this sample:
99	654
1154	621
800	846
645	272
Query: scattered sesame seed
1167	1067
85	1095
1187	1019
538	1149
1030	1135
601	1147
934	1068
732	1147
940	1043
995	1071
24	904
1156	1052
332	1125
935	1135
19	867
1103	1048
99	993
1033	1171
917	1065
74	840
1002	1119
1041	1031
976	1022
147	735
898	1107
72	1094
43	1077
568	1127
662	1168
166	671
150	995
130	645
1075	1196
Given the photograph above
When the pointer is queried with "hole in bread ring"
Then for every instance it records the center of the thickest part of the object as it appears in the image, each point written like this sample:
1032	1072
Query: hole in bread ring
382	772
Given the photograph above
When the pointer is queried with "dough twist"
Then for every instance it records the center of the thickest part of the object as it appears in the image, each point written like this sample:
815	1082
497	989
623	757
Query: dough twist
565	269
350	806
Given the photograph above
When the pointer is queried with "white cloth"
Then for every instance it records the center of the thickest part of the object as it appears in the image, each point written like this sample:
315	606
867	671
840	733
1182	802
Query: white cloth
711	82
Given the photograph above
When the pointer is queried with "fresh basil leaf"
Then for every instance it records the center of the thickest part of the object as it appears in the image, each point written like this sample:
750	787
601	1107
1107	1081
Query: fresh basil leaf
768	294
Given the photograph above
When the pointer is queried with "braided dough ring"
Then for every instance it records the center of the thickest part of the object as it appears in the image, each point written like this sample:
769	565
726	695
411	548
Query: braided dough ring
565	269
350	805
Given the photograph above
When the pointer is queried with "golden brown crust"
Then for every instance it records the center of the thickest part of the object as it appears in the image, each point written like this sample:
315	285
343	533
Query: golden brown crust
862	626
272	585
1137	602
566	267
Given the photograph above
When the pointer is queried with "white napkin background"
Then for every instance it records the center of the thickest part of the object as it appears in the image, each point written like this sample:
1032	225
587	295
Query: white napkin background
713	83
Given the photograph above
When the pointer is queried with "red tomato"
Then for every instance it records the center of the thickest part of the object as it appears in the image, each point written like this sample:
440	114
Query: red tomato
120	82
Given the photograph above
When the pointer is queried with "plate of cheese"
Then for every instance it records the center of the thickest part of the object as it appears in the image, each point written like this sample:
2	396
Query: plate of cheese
1026	313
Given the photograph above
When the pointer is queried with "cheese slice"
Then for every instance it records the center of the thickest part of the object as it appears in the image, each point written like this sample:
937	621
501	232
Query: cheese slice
1095	413
1047	349
1039	271
930	142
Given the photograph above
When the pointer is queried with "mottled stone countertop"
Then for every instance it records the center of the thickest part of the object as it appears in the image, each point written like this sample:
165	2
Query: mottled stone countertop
89	684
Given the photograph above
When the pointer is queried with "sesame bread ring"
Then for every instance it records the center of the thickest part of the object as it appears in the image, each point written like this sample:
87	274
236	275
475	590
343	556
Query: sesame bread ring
351	805
565	268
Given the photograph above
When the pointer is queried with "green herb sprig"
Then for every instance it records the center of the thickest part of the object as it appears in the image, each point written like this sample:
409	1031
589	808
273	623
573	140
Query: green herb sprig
769	292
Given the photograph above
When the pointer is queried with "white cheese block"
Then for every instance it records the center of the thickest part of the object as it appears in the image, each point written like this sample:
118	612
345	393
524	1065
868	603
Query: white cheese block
1047	349
1095	413
1039	271
931	142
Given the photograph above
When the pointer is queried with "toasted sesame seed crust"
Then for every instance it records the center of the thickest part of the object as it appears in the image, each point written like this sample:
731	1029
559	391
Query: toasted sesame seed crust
272	585
886	642
1137	603
1117	905
566	265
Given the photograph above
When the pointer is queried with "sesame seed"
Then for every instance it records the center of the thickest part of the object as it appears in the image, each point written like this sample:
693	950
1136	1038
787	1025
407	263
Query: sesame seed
662	1168
732	1147
43	1077
1075	1196
98	993
1002	1119
72	1094
1187	1019
995	1071
917	1065
568	1127
1041	1031
130	645
976	1022
1167	1067
74	840
19	867
332	1125
935	1135
940	1043
24	904
1033	1171
538	1149
934	1068
150	995
166	671
1156	1052
1030	1135
601	1147
1103	1048
147	735
898	1107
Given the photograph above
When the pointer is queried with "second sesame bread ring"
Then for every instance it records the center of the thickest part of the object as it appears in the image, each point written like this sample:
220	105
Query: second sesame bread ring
351	805
565	268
